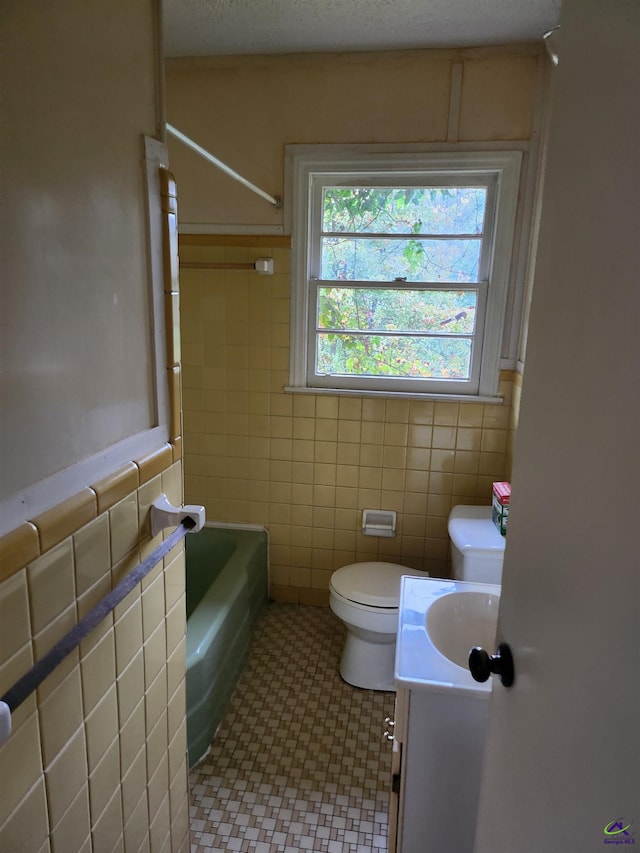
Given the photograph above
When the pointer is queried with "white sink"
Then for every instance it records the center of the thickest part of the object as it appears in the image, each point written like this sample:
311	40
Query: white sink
458	621
439	622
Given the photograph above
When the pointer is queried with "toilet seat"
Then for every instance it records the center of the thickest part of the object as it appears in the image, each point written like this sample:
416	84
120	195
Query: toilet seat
372	584
366	598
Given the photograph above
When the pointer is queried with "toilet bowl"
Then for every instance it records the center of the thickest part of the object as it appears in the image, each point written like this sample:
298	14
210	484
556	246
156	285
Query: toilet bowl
365	596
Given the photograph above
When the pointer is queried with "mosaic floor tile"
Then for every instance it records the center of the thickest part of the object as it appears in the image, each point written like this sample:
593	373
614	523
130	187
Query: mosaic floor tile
298	762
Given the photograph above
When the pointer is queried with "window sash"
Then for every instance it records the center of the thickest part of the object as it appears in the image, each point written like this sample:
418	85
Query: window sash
405	384
459	180
308	167
437	385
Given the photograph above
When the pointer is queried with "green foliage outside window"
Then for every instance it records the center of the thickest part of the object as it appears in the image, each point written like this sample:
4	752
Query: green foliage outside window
425	235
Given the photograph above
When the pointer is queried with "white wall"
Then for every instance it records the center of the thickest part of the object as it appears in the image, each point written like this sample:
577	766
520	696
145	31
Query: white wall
76	331
563	742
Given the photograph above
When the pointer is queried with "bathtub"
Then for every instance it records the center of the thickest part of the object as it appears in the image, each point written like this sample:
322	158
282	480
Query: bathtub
226	588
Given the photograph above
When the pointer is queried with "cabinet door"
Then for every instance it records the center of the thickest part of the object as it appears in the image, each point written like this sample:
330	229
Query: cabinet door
396	795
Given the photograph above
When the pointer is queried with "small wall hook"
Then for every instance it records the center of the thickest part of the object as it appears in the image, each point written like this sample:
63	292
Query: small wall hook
164	514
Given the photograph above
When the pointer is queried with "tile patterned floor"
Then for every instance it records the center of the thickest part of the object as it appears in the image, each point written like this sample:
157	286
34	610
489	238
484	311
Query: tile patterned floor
299	762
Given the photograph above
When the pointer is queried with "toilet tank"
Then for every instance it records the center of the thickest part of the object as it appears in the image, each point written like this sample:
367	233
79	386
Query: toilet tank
477	547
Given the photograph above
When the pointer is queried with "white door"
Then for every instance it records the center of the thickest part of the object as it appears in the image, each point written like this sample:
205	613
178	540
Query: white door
562	766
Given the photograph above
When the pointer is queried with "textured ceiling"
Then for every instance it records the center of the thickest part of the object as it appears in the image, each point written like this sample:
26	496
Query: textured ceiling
210	27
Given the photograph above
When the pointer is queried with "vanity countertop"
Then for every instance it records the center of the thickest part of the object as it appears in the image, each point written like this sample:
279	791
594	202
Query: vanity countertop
419	665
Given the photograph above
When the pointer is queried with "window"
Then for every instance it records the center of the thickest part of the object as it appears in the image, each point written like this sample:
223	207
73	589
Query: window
401	265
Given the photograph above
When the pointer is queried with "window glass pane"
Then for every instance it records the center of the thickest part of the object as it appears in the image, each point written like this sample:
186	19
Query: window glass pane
404	210
392	356
448	312
379	259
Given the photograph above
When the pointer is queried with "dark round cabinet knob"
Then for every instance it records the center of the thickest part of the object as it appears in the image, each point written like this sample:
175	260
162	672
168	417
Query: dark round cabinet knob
482	665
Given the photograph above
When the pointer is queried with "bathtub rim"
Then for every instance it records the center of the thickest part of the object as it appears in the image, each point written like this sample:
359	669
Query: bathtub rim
203	625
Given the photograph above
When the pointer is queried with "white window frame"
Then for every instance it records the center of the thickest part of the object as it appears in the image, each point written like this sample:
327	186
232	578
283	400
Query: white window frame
311	167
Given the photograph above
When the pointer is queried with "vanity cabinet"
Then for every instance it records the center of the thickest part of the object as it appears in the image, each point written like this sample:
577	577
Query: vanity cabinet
438	746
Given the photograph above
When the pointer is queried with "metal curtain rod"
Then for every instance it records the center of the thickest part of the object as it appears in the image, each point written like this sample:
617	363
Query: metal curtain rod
16	694
263	266
274	200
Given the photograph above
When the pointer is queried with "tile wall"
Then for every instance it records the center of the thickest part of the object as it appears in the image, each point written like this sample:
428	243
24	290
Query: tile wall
96	761
307	465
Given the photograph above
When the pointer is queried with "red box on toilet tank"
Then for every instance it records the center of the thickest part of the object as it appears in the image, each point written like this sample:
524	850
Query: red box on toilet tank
500	505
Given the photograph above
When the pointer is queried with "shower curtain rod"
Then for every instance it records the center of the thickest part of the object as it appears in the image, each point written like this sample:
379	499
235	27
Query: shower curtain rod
274	200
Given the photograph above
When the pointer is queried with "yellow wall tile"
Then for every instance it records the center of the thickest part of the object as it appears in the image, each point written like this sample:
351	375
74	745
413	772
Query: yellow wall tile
137	827
21	752
73	829
15	628
132	736
17	548
10	671
108	828
314	597
445	414
134	781
305	455
157	748
123	527
418	458
92	554
116	486
494	440
176	710
51	585
420	436
176	665
104	781
101	727
60	715
66	775
466	462
72	721
98	670
154	463
87	602
27	827
156	702
155	655
175	624
65	518
444	437
468	438
159	829
153	606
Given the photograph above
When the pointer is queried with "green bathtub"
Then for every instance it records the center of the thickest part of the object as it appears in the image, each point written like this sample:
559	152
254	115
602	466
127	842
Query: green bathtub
226	588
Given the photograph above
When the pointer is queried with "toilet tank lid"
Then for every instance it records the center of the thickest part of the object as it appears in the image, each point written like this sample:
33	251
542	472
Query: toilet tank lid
472	531
373	583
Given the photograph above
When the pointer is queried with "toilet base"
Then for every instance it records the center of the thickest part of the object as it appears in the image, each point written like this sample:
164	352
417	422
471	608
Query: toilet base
367	664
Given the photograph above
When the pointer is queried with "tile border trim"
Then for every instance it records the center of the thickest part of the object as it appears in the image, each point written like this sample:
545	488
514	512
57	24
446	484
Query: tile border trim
34	537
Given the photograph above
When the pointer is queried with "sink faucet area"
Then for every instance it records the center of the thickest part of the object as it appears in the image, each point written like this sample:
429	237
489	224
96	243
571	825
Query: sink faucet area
441	713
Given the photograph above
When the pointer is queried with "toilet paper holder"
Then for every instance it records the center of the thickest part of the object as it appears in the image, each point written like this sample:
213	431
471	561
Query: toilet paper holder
379	522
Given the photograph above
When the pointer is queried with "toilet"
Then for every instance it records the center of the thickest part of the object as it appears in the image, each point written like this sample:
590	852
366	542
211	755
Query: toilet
366	596
477	546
